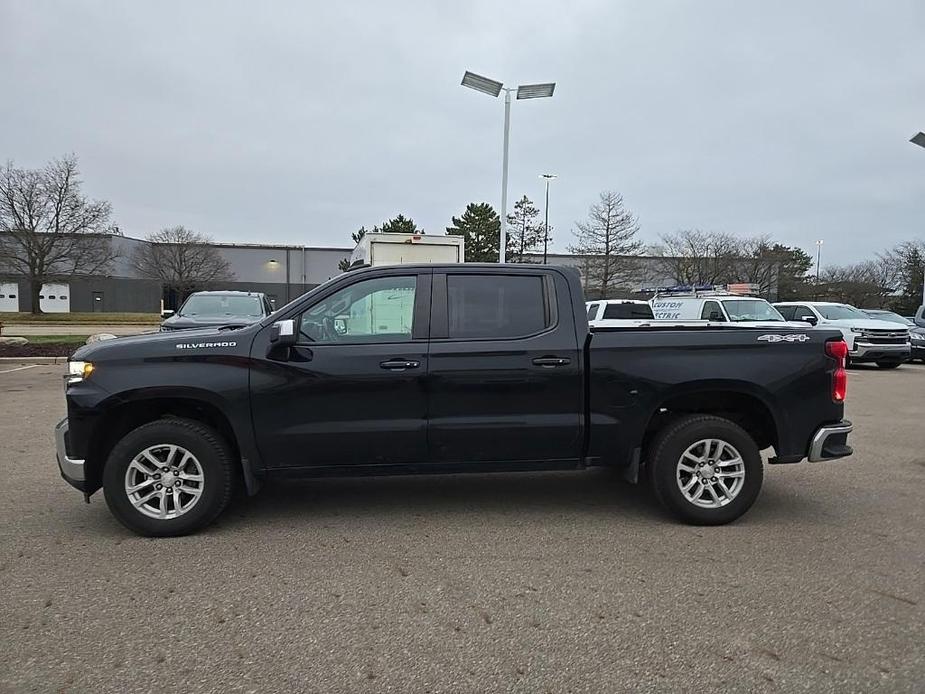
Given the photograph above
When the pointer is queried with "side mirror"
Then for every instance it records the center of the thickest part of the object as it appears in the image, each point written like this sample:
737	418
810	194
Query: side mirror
717	317
166	313
812	320
283	333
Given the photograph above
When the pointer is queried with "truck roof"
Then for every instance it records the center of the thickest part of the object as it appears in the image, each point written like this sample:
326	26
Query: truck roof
228	292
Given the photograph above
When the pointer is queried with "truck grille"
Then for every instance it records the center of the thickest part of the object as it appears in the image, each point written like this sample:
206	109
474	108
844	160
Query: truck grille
886	337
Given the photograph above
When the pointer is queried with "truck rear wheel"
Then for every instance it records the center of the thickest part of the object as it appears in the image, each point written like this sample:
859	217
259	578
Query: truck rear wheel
704	469
168	477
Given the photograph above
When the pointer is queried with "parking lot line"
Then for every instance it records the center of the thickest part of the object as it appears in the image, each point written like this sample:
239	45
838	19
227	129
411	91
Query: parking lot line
19	368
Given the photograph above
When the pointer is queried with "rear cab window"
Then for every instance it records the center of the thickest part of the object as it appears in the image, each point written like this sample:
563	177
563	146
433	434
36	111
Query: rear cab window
489	306
627	311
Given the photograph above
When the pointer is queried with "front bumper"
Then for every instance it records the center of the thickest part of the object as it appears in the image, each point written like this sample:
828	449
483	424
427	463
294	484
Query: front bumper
72	469
867	351
918	349
830	442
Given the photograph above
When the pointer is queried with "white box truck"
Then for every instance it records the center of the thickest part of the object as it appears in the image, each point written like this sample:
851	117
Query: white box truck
374	250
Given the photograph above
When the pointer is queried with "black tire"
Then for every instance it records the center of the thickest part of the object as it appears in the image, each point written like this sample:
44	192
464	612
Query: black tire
670	444
210	449
888	364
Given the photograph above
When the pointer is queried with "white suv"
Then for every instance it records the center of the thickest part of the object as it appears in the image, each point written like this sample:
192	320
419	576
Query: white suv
868	340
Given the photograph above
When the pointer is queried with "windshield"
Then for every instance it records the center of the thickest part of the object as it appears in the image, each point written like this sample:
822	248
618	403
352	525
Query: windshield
751	310
840	312
219	305
889	316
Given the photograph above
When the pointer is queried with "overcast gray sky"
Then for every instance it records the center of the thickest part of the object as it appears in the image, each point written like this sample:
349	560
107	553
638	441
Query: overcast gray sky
299	122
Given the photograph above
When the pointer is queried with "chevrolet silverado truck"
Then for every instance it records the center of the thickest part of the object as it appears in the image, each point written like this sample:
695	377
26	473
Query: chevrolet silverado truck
445	369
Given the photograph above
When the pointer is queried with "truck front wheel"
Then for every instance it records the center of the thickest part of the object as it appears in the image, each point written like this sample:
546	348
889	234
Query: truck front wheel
168	477
704	469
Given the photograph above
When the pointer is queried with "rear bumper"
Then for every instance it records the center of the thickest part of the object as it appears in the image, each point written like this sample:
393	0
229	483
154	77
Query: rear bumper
866	351
830	442
72	469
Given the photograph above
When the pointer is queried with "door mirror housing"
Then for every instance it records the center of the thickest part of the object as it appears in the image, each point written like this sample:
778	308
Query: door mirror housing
283	333
812	320
167	313
717	317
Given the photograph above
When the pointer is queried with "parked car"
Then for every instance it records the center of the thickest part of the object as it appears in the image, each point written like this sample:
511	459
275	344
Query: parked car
476	368
869	340
919	318
917	336
618	312
217	310
717	307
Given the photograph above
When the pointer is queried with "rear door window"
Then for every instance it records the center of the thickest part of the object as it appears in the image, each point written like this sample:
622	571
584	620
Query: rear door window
496	306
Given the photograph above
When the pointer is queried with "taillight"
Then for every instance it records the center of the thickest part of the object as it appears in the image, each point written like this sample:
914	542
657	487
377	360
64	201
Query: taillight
838	350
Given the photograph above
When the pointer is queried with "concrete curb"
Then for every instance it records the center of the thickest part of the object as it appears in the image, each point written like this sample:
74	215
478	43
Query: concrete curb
33	360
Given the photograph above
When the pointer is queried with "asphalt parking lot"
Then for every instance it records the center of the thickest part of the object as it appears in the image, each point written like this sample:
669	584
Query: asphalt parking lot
537	582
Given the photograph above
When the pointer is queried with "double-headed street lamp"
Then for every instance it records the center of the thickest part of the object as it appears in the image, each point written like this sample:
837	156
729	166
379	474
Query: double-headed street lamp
919	139
524	91
548	177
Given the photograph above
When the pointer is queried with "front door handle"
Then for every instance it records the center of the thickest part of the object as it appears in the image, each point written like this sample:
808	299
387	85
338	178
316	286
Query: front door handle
399	364
551	362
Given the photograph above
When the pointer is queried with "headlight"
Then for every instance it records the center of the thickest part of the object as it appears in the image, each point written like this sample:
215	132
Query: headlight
917	336
78	371
857	330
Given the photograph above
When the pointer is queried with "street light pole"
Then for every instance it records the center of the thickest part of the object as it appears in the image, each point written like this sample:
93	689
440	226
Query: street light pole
818	262
524	91
548	178
919	139
502	245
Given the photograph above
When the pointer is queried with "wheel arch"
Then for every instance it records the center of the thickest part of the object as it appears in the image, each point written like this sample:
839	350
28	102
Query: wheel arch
120	415
749	407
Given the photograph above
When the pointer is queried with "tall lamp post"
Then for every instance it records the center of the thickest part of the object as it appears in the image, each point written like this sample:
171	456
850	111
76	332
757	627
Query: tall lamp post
919	139
818	262
524	91
548	177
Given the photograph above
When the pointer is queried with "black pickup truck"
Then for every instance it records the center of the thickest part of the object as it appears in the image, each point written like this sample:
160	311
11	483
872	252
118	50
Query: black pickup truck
444	369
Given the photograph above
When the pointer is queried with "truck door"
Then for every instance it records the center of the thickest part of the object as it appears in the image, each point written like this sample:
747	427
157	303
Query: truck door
505	369
352	390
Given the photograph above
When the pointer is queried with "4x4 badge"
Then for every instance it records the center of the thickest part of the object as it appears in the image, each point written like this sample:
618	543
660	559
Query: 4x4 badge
800	337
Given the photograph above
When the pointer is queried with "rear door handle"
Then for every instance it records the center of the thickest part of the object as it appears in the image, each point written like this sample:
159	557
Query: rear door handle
550	362
399	364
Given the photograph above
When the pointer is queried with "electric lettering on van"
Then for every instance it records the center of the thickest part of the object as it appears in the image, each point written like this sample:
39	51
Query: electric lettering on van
667	310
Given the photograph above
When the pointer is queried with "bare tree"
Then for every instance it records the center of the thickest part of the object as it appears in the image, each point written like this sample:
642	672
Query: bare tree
868	284
692	256
48	229
525	233
607	241
182	259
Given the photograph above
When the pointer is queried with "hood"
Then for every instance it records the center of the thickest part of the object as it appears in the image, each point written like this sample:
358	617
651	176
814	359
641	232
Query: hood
865	324
191	322
162	344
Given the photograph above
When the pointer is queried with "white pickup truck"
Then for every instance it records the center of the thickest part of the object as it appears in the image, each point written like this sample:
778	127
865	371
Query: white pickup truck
869	340
618	313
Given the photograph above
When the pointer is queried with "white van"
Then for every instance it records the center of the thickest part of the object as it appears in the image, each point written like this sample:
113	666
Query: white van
719	307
